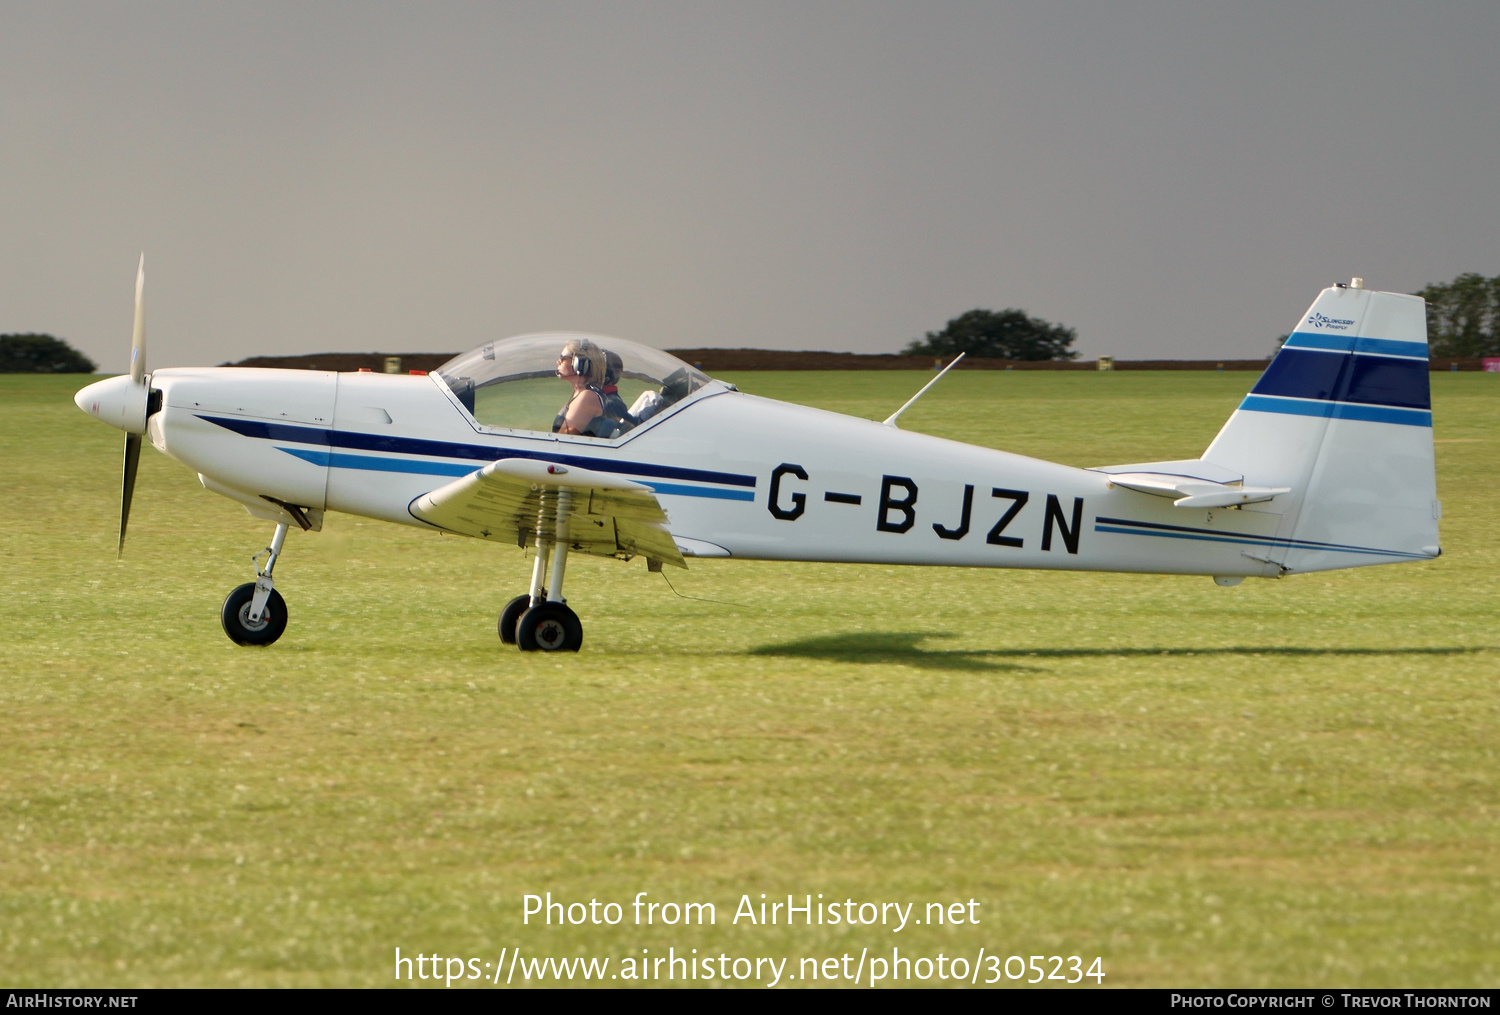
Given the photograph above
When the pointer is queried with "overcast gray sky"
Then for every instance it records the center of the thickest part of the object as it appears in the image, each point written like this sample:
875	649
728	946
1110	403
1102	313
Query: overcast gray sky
1170	179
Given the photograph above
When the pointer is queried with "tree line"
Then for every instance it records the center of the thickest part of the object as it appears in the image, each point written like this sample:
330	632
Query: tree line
1002	334
1463	320
41	354
1463	316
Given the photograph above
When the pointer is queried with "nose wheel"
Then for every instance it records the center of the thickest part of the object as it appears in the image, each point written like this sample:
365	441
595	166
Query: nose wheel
254	613
236	617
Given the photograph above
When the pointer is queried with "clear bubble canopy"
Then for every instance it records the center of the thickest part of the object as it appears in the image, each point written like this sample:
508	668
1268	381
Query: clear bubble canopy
514	384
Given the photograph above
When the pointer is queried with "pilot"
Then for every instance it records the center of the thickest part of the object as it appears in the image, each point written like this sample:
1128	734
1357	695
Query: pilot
582	364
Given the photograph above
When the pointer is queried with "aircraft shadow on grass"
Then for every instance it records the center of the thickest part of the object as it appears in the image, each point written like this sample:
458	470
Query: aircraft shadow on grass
905	648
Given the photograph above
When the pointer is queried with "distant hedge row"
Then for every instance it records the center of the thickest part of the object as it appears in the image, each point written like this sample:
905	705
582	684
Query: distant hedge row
41	354
1463	316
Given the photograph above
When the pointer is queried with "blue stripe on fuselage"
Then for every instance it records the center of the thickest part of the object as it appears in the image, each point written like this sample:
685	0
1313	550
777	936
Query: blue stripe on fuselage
467	452
677	489
1131	527
377	463
381	463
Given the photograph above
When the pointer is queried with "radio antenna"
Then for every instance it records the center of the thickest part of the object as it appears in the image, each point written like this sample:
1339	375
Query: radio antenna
891	420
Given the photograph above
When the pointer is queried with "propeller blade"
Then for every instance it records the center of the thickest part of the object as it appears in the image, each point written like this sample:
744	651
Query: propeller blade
138	336
132	462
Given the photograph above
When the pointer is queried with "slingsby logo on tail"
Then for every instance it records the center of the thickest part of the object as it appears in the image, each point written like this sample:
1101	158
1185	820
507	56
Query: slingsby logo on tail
563	443
1319	321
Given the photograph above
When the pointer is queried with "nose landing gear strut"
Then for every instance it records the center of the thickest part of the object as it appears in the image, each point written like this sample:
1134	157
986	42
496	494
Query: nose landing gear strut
254	613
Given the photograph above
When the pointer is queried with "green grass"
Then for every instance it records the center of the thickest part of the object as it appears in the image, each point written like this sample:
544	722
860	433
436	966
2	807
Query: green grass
1284	783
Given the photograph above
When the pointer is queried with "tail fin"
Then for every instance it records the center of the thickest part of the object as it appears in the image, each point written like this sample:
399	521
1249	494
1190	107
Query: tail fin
1343	416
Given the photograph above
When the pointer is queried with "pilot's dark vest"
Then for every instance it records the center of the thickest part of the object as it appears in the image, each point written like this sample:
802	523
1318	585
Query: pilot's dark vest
599	426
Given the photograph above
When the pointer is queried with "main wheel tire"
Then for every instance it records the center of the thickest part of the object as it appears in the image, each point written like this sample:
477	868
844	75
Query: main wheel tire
550	627
235	617
510	615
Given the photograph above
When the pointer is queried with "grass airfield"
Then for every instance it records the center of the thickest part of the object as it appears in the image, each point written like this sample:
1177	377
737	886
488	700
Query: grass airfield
1283	783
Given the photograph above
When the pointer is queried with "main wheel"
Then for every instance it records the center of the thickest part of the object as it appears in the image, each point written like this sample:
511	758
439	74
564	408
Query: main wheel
510	615
550	627
236	617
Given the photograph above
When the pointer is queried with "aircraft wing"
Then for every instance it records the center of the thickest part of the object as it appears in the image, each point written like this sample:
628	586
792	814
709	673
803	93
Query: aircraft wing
514	499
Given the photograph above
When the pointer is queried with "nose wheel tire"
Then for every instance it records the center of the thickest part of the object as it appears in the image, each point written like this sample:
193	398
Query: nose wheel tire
550	627
510	615
236	617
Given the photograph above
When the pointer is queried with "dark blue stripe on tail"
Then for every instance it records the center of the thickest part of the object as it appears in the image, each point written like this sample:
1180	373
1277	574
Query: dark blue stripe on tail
1330	377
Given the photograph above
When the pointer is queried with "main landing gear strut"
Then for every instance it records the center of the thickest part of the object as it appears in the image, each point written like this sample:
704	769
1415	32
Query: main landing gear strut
541	621
255	613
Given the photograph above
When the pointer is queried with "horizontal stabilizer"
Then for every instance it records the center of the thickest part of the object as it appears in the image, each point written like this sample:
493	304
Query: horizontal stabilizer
1190	484
1193	468
1196	493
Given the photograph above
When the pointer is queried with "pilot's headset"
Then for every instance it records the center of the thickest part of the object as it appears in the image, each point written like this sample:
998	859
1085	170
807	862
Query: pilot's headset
576	356
585	359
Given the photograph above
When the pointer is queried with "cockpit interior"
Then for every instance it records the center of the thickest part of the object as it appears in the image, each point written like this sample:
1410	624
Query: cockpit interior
515	384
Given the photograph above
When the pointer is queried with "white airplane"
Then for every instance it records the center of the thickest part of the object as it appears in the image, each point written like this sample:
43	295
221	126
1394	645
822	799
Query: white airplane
1327	463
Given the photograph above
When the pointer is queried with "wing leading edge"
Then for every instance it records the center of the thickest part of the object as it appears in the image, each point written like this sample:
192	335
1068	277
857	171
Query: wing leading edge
516	500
